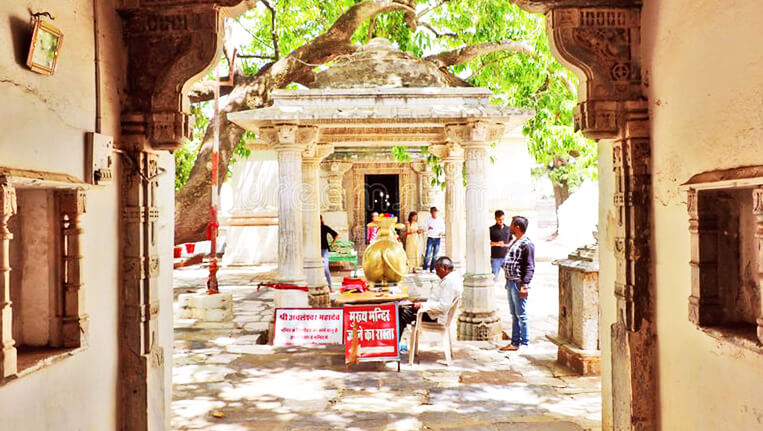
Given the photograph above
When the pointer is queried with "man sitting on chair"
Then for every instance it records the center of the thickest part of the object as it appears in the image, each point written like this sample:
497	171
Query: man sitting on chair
440	299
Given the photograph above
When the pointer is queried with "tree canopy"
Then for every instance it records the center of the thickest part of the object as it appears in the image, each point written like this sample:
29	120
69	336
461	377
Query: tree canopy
489	43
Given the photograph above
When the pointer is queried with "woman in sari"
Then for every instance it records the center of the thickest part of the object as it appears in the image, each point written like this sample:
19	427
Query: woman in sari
413	241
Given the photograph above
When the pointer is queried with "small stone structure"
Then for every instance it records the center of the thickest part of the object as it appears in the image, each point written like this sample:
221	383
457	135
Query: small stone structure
578	336
205	307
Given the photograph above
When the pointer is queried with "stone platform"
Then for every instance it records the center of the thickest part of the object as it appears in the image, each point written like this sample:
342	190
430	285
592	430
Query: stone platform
205	307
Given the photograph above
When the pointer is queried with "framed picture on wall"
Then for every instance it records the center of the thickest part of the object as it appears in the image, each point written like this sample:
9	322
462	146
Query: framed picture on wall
46	44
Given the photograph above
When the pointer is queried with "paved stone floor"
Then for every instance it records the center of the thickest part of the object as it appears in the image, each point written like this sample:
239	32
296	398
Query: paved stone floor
224	380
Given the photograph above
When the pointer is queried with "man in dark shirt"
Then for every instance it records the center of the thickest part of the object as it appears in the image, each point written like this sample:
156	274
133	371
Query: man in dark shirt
519	268
325	246
499	243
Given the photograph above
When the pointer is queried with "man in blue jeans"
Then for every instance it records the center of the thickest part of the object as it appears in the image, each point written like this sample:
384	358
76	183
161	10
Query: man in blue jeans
519	267
499	243
435	228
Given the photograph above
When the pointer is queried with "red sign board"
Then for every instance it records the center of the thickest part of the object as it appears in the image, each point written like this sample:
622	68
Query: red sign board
307	326
371	333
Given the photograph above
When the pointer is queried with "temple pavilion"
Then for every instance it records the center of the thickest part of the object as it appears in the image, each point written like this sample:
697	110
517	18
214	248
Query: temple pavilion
347	123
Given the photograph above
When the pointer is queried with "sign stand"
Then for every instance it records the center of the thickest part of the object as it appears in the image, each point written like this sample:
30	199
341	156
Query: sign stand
371	333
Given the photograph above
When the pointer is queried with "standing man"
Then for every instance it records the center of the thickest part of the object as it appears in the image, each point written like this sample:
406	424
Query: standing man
325	246
435	228
519	267
499	243
438	304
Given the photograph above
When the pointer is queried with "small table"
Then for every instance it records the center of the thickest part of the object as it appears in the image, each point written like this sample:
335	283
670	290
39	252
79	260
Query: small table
371	297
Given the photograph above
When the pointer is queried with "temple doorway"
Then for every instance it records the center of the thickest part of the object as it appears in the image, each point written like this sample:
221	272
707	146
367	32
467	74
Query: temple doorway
382	195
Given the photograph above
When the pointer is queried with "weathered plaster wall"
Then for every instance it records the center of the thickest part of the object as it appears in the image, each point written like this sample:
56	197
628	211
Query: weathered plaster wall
510	179
704	69
43	121
37	267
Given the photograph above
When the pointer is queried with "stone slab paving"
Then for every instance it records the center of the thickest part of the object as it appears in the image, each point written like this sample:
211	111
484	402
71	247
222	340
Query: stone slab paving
225	380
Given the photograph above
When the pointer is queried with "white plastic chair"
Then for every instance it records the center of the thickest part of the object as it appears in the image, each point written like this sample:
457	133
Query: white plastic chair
444	330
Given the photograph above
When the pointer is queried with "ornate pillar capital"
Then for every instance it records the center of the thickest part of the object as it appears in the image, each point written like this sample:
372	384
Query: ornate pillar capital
450	151
474	133
315	153
336	167
290	137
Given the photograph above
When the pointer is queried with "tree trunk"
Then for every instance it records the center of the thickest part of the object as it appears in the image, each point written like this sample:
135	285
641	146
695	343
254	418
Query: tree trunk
193	199
561	193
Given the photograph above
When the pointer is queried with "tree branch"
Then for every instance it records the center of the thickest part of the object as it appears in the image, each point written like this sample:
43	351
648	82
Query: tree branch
430	9
437	34
261	57
469	52
272	27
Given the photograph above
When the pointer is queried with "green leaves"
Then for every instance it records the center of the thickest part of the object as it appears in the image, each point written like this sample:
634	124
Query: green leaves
536	81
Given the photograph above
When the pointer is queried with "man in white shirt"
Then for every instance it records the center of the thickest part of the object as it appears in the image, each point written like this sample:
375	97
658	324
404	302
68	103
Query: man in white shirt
435	229
440	299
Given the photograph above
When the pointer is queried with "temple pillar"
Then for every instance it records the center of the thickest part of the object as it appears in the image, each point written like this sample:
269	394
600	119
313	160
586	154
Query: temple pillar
335	174
290	141
311	227
757	205
429	195
452	158
479	319
7	348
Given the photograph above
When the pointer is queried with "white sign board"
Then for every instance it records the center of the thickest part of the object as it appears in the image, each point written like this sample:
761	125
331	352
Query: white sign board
307	326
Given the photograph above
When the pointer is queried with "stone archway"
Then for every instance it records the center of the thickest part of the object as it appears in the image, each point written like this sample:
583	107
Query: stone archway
601	41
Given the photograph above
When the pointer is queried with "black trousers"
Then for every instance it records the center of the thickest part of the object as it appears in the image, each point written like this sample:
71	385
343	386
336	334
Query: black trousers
407	314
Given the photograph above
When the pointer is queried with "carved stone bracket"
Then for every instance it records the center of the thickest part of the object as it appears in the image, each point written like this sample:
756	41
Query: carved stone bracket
603	44
168	43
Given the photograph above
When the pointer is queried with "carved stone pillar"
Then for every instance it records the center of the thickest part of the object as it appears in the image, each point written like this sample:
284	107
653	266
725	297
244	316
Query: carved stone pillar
7	345
479	320
167	44
290	141
427	192
452	157
603	44
335	191
757	208
311	211
141	353
72	205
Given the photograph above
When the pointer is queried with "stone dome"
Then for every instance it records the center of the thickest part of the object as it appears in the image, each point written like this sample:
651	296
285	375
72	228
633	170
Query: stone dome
379	64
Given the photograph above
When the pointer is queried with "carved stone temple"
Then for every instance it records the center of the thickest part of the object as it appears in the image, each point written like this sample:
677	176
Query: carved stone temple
357	110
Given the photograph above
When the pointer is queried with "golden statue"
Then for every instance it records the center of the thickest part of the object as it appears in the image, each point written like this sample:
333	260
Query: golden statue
384	259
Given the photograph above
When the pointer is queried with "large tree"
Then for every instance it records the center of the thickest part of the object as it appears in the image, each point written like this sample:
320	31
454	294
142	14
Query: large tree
490	43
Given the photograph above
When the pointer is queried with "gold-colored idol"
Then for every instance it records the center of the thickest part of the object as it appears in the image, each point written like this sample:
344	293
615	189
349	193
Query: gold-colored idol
384	259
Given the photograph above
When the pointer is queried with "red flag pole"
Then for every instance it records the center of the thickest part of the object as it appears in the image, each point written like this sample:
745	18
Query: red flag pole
213	225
